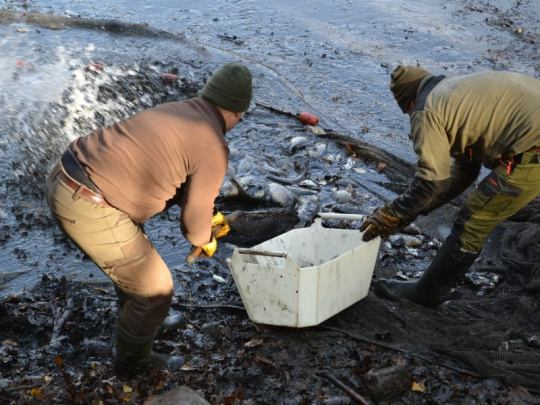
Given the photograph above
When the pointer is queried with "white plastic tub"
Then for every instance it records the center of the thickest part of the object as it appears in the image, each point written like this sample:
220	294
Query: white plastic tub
305	276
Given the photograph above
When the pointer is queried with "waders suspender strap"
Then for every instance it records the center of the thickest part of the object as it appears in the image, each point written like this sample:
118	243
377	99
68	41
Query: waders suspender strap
422	97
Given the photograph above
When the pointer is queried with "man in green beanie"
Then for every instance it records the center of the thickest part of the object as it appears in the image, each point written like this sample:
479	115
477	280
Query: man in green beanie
109	182
459	124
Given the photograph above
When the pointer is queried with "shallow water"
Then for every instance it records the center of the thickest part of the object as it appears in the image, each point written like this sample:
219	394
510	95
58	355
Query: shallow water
332	58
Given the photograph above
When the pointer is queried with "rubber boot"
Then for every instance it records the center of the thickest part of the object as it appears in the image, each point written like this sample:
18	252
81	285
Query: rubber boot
122	297
175	320
134	354
447	269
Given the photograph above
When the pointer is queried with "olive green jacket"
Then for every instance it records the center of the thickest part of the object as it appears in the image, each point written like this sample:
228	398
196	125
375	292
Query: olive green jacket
485	115
475	119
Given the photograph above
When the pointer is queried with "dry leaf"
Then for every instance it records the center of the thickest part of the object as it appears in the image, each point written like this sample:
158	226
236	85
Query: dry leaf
254	342
350	149
187	367
36	393
418	387
265	360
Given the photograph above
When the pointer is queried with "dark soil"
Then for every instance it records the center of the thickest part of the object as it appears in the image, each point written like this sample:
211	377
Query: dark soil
58	349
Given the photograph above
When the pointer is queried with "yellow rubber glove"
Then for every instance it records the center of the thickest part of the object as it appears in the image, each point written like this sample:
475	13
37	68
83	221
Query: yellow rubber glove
220	225
209	249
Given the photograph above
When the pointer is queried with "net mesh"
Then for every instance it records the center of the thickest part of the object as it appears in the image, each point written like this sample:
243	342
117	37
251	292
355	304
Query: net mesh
488	326
492	332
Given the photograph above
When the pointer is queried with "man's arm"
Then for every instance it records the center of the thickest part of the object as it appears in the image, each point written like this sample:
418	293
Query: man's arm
463	173
200	192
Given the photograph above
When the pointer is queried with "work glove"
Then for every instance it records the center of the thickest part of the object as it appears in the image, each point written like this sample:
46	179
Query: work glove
220	225
381	223
207	250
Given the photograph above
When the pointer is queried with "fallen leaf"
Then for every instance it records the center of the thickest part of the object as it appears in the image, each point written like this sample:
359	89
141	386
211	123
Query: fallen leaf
254	342
187	367
418	387
264	360
36	393
350	149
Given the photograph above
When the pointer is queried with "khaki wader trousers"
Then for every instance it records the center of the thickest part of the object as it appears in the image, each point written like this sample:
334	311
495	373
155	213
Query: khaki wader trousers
501	194
120	248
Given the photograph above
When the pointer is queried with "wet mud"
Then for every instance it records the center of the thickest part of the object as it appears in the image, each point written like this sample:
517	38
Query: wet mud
57	311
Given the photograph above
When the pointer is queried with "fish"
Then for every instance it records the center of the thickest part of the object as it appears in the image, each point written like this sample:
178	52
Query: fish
297	142
294	180
246	165
310	184
252	190
281	195
307	208
274	170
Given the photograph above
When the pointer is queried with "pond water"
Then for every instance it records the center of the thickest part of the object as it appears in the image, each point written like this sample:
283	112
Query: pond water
329	57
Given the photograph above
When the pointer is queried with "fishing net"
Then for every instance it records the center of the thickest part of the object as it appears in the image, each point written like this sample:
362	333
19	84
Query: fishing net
489	325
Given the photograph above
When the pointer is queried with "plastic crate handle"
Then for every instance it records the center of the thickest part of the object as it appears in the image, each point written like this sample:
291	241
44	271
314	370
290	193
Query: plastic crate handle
262	253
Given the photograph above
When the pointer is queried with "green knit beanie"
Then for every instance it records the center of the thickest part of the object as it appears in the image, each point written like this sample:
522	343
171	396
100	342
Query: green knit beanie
404	84
230	87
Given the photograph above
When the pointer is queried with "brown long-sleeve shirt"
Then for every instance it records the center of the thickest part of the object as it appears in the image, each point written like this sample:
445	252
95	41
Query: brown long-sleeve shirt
140	162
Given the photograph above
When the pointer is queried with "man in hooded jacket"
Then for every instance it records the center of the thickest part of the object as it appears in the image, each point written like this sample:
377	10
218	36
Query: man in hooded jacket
458	124
109	182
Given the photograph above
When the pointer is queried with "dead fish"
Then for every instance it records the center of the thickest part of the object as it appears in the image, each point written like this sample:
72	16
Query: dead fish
252	190
231	171
350	209
307	207
406	240
294	180
297	142
228	189
319	150
274	170
298	191
249	188
281	195
411	229
343	196
309	184
246	165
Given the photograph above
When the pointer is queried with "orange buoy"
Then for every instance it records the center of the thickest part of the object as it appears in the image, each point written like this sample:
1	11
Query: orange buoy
308	118
169	76
94	66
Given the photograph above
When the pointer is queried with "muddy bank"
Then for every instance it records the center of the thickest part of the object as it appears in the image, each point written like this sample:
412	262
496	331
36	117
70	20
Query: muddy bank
58	350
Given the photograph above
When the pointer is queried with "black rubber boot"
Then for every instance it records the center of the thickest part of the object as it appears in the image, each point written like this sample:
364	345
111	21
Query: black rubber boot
446	270
122	297
134	354
175	320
